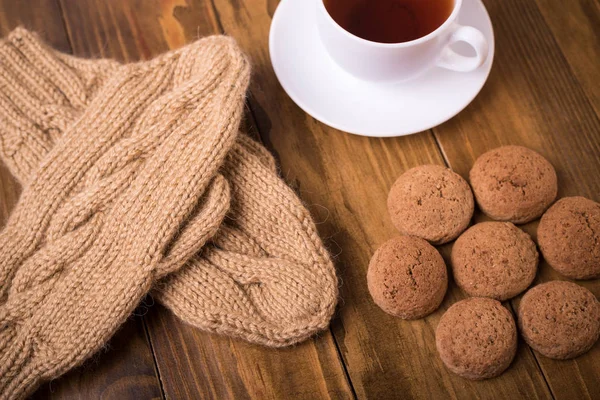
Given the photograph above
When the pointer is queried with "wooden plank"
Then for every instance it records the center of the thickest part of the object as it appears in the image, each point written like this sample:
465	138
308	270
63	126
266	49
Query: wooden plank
196	364
385	357
125	369
136	29
41	16
193	364
533	98
576	28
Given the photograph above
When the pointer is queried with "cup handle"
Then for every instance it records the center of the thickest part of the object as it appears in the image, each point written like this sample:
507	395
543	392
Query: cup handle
450	59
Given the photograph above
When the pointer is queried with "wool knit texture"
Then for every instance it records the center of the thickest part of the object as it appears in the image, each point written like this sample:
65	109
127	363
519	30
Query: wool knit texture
128	171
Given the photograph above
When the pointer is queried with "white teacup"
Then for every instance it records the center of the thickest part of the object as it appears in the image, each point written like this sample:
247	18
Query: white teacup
397	62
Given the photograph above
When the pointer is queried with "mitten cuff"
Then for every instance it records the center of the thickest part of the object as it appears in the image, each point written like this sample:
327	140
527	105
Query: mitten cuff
41	92
32	104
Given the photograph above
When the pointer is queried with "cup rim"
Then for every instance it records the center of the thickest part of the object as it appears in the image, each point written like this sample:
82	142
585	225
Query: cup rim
447	22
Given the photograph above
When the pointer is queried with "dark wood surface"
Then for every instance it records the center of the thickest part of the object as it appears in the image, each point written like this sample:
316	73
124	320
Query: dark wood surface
543	92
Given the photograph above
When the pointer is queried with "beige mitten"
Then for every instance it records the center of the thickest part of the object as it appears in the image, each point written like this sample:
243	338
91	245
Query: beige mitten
41	93
267	279
126	195
299	291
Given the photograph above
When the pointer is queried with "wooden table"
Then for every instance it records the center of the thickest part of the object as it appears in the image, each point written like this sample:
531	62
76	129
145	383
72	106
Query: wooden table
543	92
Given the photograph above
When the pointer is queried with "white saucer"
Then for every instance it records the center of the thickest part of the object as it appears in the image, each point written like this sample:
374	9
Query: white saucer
331	95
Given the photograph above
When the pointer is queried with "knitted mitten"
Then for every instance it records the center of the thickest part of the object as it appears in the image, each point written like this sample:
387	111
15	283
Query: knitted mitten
41	93
287	306
267	278
128	193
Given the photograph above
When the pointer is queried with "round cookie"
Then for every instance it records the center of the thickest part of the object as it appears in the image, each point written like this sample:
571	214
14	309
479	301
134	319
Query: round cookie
513	183
560	319
407	277
431	202
477	338
569	237
494	259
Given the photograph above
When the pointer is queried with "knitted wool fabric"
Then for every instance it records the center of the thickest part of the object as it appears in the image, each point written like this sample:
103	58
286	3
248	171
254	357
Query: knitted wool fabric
41	92
125	196
298	294
268	278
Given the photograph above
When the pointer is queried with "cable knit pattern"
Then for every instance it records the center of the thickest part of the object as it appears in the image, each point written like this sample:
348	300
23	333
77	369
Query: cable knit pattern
128	193
265	277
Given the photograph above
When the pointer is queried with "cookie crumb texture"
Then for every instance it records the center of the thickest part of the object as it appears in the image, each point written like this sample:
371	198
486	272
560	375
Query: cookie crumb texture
569	237
407	277
560	319
431	202
494	259
477	338
513	183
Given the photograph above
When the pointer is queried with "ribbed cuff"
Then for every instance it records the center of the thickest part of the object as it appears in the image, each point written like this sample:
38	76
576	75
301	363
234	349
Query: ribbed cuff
42	92
31	103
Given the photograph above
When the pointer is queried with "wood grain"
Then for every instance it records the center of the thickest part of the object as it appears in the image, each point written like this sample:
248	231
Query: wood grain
575	25
134	29
385	357
542	93
125	368
533	98
41	16
193	364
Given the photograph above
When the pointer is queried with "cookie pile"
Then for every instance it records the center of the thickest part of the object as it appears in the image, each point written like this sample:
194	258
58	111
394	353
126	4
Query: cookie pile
491	261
